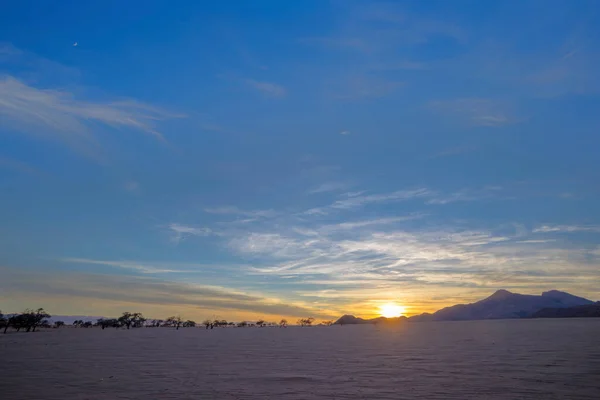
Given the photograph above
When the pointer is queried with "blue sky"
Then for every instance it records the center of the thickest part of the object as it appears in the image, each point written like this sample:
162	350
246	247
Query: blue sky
296	158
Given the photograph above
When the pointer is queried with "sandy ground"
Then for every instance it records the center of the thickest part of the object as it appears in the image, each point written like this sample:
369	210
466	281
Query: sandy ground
526	359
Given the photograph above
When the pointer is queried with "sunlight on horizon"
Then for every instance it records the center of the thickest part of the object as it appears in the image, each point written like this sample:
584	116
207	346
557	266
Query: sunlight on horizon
391	310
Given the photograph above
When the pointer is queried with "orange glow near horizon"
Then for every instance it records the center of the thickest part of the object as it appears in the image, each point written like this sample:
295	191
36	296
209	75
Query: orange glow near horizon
391	310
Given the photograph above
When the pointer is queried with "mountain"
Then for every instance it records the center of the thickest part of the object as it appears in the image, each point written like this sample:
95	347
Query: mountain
566	299
501	304
505	304
586	311
425	317
351	320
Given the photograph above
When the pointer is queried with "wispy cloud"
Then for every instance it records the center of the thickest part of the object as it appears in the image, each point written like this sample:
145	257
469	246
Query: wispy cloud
359	199
329	187
399	65
132	186
267	88
364	87
369	223
16	165
338	43
570	71
60	115
237	211
139	266
444	258
476	111
454	151
379	28
354	259
565	229
404	260
35	67
7	50
148	293
487	192
181	232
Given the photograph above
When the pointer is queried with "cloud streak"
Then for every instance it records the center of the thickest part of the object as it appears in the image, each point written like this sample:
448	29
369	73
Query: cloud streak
60	115
267	88
181	232
20	166
139	266
454	151
232	210
476	111
565	229
146	291
329	187
489	192
400	258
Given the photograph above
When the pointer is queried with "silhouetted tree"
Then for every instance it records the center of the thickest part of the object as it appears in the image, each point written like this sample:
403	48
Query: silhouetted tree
77	323
189	324
260	323
8	321
126	319
138	320
4	321
58	324
231	324
242	324
306	321
88	324
16	321
283	323
218	323
29	319
207	323
113	323
107	323
129	320
327	323
175	321
34	318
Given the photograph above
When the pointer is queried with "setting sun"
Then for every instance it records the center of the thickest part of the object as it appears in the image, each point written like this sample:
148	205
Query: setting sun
391	310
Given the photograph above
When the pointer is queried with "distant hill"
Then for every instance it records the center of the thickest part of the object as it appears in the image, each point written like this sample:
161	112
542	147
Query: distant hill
587	311
566	299
502	304
352	320
505	304
68	319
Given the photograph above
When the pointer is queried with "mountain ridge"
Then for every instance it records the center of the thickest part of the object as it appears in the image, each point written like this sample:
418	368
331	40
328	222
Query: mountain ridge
585	311
502	304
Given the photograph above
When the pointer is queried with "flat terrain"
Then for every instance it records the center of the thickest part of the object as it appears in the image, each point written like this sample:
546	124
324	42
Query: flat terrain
509	359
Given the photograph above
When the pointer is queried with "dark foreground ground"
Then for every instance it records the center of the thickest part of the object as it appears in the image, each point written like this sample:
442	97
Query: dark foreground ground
511	359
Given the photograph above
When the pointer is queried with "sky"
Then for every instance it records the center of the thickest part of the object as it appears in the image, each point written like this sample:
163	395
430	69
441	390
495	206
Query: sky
269	159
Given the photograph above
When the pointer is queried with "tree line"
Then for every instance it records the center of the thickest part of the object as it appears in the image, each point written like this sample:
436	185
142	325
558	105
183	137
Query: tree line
29	320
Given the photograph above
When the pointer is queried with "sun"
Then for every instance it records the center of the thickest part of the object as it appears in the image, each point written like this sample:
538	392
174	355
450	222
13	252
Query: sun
391	310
